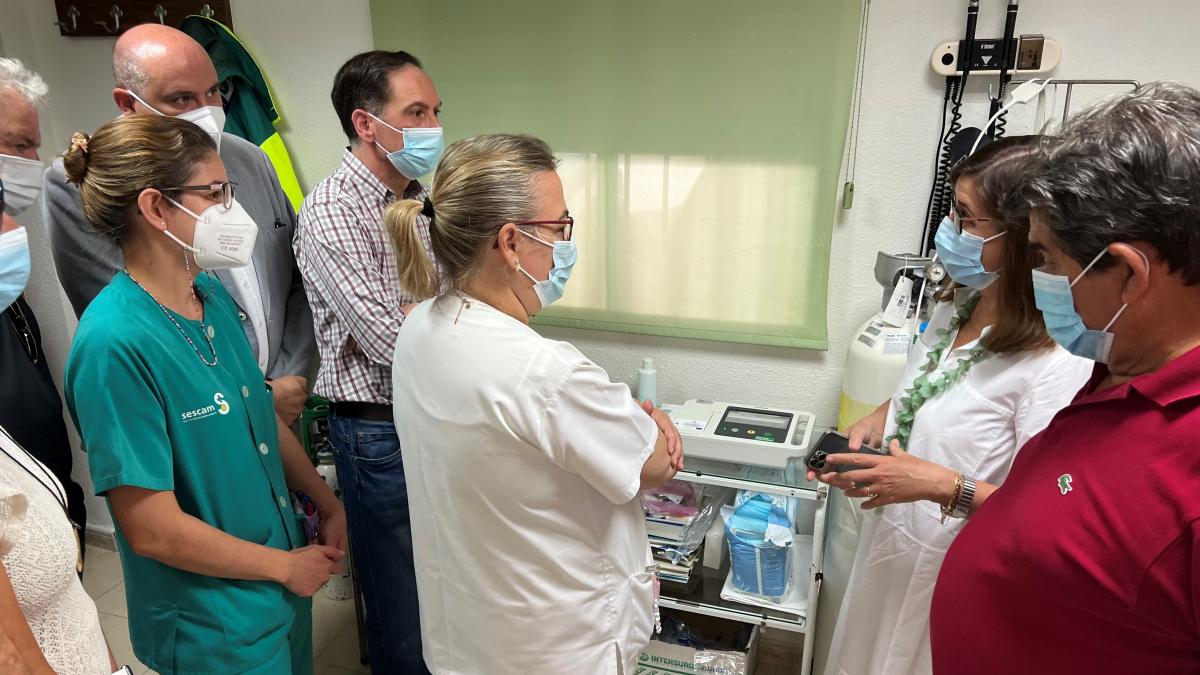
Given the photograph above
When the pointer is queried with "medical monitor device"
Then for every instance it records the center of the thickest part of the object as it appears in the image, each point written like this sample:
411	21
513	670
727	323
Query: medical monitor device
742	434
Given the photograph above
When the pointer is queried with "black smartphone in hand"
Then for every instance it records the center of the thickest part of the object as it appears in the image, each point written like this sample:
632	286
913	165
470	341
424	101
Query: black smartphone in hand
832	443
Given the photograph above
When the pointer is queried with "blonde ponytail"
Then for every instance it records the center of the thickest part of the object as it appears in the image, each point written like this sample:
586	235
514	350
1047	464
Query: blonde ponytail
418	277
481	183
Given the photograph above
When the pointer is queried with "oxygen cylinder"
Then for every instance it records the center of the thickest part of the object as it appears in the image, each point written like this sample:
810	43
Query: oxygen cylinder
874	362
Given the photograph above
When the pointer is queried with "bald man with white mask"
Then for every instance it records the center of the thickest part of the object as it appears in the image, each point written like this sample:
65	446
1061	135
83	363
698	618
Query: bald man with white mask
160	70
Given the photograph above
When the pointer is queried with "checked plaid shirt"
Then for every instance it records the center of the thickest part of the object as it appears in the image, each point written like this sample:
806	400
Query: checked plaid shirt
349	271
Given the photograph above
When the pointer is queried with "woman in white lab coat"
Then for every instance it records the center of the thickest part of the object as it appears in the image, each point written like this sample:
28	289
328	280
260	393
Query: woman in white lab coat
982	380
522	458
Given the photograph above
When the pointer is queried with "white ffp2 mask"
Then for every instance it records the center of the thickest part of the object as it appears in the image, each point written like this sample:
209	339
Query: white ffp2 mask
210	118
223	238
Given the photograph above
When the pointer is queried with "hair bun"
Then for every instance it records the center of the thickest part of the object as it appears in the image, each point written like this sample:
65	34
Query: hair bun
79	141
75	159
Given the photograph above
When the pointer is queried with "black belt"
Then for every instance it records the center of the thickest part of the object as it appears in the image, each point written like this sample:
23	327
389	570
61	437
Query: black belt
376	412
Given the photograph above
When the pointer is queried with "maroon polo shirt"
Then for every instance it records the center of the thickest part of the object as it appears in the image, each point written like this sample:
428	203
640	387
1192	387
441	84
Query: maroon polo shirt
1087	559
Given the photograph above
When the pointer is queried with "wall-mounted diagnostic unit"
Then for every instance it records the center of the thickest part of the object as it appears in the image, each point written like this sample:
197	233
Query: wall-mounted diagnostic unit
742	433
1026	56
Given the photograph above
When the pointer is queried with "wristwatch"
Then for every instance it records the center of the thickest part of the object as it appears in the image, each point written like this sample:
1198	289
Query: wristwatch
966	497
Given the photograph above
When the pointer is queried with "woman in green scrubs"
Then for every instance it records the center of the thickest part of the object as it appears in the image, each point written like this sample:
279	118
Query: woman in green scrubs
179	427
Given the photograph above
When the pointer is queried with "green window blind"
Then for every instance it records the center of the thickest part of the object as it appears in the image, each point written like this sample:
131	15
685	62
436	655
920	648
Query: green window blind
701	146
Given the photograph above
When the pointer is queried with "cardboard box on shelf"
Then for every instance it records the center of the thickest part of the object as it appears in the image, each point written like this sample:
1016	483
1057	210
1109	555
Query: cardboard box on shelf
660	658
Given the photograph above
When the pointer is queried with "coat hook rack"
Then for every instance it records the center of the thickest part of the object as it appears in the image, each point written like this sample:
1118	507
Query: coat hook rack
116	15
73	16
110	18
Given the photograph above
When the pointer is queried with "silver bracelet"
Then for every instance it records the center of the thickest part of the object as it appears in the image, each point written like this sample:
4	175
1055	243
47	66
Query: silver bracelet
966	497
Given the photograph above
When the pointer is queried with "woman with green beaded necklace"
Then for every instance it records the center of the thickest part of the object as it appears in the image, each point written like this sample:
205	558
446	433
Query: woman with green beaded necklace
982	379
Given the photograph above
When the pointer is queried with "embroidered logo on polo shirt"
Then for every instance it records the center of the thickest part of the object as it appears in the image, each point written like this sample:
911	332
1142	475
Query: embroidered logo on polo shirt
220	407
1064	483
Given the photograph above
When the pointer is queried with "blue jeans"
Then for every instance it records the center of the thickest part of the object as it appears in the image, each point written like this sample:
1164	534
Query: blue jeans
371	475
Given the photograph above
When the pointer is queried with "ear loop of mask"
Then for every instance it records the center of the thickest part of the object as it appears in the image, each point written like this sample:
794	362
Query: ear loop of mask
521	269
139	100
538	240
187	265
1092	264
377	143
1000	269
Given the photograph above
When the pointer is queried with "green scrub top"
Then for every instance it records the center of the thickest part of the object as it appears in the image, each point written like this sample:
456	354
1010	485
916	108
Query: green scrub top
151	414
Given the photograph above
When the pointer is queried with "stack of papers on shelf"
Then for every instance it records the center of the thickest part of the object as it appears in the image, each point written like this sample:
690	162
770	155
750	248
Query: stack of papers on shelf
669	510
667	529
670	570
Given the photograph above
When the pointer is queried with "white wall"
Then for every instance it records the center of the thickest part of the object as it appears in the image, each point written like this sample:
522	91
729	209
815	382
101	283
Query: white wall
300	45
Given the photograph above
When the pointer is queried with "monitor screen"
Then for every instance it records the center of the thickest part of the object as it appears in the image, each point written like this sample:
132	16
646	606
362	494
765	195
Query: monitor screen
758	419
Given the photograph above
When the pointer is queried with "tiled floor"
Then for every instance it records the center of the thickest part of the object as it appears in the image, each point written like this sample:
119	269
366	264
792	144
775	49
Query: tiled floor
335	637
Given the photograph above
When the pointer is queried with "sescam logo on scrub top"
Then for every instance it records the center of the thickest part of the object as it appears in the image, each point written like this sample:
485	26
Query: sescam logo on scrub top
219	407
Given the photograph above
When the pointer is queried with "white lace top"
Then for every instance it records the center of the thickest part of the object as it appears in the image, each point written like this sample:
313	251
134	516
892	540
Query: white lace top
37	545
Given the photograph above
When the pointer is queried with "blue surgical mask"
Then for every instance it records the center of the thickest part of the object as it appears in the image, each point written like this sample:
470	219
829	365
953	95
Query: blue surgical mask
551	289
961	253
14	265
22	180
1052	293
422	149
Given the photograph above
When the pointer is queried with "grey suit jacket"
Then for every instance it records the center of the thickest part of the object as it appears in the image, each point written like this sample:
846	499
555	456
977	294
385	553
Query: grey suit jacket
86	261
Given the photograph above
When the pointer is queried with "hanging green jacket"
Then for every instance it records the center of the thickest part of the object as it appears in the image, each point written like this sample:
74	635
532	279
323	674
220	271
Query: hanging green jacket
249	109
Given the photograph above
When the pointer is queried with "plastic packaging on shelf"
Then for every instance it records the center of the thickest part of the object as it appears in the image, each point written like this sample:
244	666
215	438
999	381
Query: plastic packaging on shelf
759	528
673	499
677	629
678	515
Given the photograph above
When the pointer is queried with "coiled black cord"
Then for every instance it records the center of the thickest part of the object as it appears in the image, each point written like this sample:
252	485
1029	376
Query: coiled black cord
1000	125
939	192
937	155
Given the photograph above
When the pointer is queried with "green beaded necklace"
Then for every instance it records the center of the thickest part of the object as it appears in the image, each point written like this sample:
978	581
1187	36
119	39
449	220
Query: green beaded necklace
925	388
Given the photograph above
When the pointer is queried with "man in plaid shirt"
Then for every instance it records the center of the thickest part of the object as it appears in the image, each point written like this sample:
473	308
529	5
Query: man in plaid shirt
388	108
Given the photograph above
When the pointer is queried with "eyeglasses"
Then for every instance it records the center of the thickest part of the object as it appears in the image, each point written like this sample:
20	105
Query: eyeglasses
226	189
17	316
959	219
568	224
